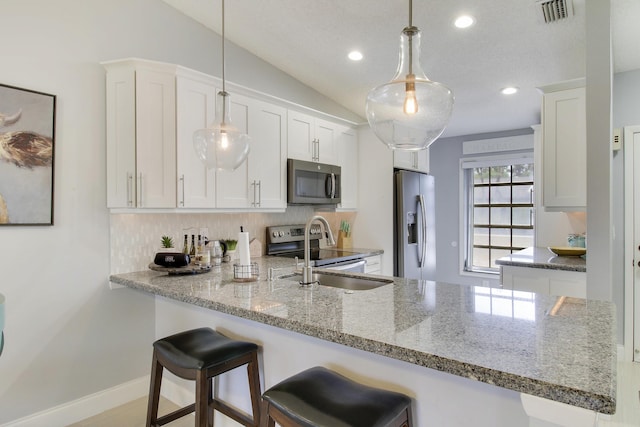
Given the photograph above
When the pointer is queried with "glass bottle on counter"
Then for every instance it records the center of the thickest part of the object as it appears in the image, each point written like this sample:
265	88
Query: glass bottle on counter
192	251
185	248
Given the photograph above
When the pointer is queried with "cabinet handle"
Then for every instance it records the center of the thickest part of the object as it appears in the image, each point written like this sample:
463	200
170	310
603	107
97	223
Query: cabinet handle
316	150
140	190
260	193
129	189
415	160
182	182
253	184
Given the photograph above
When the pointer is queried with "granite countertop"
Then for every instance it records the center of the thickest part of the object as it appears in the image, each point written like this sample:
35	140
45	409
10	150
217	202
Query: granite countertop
558	349
538	257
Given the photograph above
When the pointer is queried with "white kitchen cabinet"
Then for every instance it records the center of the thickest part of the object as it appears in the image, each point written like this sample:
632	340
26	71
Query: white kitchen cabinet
348	161
544	281
412	160
196	96
311	138
268	156
260	182
141	135
564	147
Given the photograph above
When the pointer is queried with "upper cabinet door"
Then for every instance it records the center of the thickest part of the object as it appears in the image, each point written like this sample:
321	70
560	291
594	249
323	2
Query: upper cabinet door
195	110
302	143
268	156
121	137
232	187
326	142
564	150
155	138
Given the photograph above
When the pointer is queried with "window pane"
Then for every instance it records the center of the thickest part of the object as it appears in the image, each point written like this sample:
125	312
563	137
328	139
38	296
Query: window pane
522	194
481	215
523	172
501	237
481	195
500	216
500	174
501	194
522	216
480	236
481	175
480	257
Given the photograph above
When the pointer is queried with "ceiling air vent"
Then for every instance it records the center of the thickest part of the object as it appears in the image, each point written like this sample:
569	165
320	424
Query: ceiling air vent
555	10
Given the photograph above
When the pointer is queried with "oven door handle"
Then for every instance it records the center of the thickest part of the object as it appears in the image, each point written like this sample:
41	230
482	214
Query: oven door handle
346	265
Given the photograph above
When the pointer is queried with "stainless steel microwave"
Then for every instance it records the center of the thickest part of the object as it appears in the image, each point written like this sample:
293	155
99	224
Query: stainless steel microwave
310	183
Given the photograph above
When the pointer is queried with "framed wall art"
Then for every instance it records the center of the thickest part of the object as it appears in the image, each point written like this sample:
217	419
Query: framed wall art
27	135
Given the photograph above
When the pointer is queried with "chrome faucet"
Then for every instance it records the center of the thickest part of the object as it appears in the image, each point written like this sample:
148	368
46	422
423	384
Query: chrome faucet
307	270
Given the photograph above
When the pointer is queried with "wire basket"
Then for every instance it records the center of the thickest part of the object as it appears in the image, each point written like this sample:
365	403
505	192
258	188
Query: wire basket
246	273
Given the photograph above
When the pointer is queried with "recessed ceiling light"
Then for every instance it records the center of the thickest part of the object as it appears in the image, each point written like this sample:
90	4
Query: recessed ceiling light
509	90
355	55
464	21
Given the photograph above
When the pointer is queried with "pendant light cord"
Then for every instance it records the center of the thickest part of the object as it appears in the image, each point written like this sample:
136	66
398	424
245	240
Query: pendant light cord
410	36
223	79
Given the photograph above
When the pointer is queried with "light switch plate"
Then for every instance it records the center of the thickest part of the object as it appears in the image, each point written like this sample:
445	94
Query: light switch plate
616	143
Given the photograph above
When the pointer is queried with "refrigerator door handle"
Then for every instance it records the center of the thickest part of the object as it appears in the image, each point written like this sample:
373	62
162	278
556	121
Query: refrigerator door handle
423	214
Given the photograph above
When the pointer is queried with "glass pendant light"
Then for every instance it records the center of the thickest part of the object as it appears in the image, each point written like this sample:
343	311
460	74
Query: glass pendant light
411	111
221	145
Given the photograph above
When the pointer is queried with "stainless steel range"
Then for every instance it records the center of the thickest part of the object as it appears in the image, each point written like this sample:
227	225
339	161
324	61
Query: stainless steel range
288	241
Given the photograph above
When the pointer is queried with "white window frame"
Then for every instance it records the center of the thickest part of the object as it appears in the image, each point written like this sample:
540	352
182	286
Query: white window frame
475	162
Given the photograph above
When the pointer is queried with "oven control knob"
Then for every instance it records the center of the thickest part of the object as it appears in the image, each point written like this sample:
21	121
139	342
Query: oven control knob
275	234
281	233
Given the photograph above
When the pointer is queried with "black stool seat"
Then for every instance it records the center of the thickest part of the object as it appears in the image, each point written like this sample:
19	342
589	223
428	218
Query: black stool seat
201	348
319	397
201	354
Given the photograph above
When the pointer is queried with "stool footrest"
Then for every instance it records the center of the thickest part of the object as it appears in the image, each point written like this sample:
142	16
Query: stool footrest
166	419
233	413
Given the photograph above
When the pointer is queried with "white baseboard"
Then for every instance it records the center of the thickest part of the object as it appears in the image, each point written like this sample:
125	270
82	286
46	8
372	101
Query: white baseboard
87	406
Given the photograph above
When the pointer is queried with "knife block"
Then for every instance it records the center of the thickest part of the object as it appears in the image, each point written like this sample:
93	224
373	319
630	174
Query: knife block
344	242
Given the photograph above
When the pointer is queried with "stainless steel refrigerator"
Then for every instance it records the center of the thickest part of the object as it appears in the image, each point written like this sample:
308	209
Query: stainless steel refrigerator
414	244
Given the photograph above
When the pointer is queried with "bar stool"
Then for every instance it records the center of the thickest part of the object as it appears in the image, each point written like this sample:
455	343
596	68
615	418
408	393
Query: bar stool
319	397
199	355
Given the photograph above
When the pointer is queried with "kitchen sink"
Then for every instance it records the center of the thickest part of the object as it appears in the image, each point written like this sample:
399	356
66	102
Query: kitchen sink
351	283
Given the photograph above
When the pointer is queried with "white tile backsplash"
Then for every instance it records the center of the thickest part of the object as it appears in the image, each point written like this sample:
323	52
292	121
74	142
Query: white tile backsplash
135	238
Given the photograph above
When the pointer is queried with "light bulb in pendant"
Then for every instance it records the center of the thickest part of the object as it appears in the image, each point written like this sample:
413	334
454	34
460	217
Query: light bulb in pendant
410	101
224	140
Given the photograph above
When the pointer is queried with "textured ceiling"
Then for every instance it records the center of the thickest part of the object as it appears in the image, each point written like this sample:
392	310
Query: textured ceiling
509	45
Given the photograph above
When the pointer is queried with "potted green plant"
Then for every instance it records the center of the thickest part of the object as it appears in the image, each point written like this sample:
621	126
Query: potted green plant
231	248
166	244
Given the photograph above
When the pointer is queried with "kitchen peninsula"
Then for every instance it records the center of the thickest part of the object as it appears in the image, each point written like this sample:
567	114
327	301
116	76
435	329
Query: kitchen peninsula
497	344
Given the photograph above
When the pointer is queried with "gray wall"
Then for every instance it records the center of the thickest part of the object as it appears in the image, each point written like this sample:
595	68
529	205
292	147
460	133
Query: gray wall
444	165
